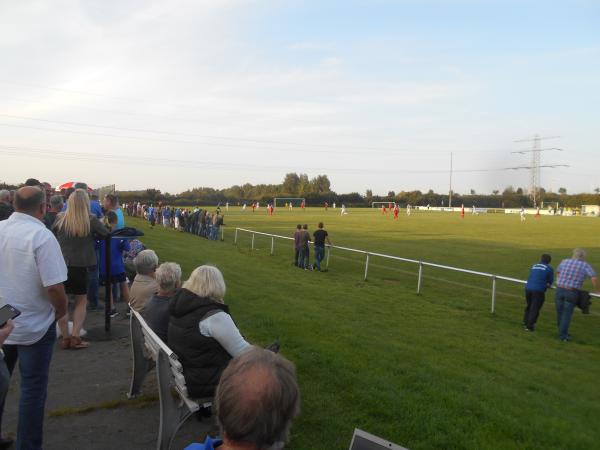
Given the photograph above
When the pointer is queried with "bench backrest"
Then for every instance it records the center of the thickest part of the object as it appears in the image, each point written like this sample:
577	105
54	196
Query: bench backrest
154	345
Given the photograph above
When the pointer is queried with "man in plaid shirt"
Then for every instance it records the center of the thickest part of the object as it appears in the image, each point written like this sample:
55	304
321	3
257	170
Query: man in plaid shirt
570	276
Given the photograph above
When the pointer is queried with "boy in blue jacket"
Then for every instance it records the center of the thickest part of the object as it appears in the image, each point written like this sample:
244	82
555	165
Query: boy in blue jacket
117	267
541	277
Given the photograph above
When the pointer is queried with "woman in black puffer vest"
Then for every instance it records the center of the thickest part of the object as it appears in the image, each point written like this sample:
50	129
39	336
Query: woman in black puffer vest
201	331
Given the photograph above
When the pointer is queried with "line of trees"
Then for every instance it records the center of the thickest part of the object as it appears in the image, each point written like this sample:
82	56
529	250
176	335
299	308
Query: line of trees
317	190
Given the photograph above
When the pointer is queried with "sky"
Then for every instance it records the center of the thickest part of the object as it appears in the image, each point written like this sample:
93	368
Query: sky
375	94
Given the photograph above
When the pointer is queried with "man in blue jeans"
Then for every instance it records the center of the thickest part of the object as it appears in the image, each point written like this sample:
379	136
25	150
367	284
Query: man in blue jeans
31	280
320	236
570	276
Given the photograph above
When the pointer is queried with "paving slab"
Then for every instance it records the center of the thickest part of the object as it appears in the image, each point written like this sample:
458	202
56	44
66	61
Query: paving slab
87	406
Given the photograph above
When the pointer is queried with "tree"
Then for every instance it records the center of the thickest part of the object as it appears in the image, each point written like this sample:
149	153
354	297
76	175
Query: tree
495	192
597	190
562	190
291	183
391	194
304	184
369	194
152	194
473	192
519	191
320	184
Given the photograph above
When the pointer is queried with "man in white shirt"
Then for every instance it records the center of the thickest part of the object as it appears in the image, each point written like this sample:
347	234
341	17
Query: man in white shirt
31	280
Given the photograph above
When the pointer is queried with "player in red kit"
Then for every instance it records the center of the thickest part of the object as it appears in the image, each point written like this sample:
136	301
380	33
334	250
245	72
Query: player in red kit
396	211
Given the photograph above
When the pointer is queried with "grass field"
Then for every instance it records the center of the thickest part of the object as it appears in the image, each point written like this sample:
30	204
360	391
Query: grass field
435	371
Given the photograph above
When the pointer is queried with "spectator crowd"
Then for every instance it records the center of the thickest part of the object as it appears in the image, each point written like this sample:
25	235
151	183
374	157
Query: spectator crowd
52	247
197	221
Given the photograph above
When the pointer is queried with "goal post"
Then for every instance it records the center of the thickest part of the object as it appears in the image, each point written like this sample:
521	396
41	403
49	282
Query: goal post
380	204
281	201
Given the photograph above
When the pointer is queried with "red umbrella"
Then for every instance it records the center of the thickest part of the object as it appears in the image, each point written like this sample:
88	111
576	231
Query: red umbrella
69	185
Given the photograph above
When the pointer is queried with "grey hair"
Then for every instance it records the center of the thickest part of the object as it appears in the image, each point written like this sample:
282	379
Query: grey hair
257	399
4	195
145	262
206	282
168	276
57	201
579	253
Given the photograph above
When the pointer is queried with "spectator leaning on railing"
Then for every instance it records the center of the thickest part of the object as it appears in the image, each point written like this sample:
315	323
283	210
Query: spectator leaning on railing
570	275
541	277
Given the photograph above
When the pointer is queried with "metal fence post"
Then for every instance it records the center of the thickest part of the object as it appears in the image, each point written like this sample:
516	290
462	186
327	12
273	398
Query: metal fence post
252	241
328	254
235	237
222	233
366	266
272	245
493	294
420	279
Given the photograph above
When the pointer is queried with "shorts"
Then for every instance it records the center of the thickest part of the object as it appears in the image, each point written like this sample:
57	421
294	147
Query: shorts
77	279
118	278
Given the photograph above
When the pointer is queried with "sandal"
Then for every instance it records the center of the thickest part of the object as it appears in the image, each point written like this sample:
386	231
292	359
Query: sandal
77	343
66	343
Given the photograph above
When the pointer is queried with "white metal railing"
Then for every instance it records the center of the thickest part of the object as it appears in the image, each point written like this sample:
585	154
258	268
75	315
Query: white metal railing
421	264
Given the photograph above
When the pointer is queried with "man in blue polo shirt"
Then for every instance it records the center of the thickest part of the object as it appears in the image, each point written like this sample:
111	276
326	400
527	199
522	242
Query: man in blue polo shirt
541	277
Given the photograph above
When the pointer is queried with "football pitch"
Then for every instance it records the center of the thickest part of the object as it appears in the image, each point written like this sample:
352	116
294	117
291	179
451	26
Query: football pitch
429	371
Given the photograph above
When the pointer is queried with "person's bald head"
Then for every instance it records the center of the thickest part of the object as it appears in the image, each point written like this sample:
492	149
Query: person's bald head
30	200
257	399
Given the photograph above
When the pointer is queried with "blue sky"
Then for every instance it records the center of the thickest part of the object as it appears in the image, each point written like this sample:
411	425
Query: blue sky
376	94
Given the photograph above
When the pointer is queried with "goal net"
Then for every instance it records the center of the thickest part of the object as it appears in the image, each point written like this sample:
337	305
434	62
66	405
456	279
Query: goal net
282	201
381	204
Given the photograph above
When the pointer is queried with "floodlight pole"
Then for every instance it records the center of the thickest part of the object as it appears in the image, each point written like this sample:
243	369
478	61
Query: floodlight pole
450	191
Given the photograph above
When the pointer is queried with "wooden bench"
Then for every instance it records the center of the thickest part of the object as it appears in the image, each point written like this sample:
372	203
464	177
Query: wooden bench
148	350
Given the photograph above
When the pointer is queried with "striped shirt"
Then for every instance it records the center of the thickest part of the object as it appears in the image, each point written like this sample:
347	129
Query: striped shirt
572	273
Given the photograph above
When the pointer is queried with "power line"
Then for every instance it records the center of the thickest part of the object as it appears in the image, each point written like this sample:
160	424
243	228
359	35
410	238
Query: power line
363	151
534	168
11	150
175	133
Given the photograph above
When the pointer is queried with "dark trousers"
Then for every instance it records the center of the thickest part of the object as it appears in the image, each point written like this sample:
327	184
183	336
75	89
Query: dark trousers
304	260
296	256
535	301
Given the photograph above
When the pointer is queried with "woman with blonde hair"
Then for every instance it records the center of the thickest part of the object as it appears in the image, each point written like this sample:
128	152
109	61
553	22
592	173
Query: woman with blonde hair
75	230
201	331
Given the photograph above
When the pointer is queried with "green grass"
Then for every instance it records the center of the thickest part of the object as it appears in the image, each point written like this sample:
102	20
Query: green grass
435	371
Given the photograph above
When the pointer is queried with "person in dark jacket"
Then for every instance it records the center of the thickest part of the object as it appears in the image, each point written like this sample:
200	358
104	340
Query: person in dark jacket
201	331
541	277
6	208
56	206
156	311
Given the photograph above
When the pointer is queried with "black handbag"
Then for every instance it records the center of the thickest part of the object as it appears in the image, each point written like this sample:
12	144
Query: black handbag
584	301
